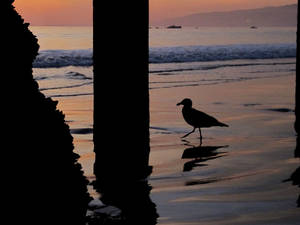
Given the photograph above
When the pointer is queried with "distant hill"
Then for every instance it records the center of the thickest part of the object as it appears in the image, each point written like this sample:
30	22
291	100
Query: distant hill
269	16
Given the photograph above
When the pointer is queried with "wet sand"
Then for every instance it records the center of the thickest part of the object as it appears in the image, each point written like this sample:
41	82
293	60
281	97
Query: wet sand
236	176
79	116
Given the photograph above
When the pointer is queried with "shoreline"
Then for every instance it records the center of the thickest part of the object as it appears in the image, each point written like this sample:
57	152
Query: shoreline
241	182
236	183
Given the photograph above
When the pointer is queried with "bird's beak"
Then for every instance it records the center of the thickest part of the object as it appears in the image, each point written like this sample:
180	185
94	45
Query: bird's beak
180	103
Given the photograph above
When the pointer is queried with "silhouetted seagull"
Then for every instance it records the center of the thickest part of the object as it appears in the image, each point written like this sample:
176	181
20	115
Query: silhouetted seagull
196	118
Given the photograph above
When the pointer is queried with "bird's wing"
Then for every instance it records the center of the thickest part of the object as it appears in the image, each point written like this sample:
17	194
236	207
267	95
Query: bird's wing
203	119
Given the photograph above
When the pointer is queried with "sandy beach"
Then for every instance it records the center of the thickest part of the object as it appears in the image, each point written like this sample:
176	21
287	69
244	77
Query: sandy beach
245	80
236	176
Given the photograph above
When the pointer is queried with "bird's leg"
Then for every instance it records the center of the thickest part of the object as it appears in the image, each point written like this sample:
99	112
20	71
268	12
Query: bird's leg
189	133
200	136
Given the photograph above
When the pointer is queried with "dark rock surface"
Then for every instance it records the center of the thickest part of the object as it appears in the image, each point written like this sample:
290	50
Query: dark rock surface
40	171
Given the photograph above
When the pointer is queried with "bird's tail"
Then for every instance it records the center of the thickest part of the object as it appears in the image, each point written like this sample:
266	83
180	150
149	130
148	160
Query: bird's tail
223	124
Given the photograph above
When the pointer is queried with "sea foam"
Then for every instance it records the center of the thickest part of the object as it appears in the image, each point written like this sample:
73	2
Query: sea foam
220	52
84	57
61	58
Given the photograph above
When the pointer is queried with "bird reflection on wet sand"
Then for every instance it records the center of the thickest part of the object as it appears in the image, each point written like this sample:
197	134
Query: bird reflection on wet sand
295	176
201	154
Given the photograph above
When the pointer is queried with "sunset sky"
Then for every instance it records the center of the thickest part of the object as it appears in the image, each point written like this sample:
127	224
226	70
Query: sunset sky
79	12
55	12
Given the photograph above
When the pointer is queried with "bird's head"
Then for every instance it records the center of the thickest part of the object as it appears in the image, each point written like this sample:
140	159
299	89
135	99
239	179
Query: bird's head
186	102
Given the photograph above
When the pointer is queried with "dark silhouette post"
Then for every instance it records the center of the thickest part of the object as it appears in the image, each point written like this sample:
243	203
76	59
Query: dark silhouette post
121	109
297	73
295	177
121	98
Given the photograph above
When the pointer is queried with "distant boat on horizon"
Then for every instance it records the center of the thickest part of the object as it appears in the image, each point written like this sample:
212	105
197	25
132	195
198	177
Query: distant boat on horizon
253	27
174	27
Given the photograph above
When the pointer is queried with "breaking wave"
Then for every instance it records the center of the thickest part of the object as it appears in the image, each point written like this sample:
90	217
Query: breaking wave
221	52
84	57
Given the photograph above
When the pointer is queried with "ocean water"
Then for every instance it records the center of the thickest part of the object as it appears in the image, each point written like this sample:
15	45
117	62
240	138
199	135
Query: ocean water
180	59
177	58
64	64
63	70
